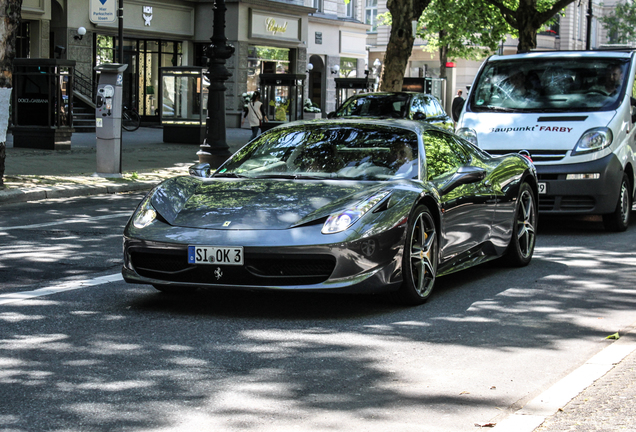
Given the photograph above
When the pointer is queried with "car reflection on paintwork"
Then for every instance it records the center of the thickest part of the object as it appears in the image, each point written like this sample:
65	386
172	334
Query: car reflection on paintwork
403	105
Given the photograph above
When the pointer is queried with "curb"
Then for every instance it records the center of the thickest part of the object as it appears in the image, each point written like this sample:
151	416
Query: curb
534	413
12	196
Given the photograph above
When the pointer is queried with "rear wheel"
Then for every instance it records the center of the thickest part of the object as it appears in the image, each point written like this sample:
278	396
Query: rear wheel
130	120
419	260
521	247
618	221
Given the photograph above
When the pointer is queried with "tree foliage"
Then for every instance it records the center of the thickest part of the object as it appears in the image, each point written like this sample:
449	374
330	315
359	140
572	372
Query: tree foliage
527	16
621	23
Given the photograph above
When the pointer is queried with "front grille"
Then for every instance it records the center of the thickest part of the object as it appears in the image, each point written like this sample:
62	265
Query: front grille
258	270
566	203
536	155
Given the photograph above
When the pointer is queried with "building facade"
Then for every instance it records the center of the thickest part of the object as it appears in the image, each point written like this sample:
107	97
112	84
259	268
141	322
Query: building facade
268	36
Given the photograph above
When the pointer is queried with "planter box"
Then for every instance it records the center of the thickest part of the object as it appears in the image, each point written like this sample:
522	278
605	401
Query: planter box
311	115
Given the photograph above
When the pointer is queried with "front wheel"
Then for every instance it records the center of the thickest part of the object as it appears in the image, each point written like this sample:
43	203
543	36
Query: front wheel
618	221
130	120
524	225
419	260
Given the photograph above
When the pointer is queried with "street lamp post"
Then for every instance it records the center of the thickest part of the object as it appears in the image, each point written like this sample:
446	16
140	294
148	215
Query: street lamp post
214	149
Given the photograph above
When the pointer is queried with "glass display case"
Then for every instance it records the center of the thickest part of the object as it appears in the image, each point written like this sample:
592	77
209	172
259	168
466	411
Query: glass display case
347	87
183	104
283	97
43	103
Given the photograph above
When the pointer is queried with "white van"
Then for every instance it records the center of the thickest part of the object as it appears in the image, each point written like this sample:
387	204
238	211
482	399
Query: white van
572	112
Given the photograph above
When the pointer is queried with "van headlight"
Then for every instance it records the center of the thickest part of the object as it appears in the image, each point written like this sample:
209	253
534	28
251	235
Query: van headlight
593	140
468	134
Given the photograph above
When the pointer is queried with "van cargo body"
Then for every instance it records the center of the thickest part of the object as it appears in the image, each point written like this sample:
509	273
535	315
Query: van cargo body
572	112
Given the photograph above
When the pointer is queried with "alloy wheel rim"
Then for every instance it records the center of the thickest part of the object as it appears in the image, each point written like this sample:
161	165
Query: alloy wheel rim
526	218
423	257
624	203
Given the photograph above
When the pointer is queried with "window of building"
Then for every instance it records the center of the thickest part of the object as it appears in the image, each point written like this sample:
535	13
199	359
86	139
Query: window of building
141	77
318	5
348	67
371	14
262	59
551	27
22	40
350	9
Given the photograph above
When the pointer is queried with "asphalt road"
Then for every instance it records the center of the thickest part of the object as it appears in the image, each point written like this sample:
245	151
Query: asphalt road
82	350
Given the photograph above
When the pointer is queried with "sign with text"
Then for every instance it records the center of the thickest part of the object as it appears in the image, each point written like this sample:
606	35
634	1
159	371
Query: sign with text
270	25
103	11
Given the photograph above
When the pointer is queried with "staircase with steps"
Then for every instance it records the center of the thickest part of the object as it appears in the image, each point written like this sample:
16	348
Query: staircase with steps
83	105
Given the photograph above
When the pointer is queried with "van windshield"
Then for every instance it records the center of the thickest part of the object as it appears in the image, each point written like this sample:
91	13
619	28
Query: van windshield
566	84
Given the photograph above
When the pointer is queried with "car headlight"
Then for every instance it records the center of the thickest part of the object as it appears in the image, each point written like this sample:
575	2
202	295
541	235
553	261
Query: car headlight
468	134
593	140
340	221
145	215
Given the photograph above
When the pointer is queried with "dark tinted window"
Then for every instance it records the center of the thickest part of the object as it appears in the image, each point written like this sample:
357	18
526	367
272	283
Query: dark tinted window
375	105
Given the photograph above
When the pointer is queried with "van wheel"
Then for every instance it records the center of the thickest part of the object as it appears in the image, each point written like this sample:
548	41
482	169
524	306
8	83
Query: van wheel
618	221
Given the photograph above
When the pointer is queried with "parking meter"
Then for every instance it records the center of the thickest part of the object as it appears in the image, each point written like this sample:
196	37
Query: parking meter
108	109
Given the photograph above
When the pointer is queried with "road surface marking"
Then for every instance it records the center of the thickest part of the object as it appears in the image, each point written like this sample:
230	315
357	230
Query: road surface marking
66	286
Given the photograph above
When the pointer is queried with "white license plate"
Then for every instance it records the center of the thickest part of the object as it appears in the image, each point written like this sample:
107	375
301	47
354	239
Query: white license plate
543	188
224	255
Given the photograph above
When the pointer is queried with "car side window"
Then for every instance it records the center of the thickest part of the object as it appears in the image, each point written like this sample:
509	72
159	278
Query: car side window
444	156
418	106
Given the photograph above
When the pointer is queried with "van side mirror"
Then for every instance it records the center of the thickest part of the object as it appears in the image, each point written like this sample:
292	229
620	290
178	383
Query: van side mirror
632	103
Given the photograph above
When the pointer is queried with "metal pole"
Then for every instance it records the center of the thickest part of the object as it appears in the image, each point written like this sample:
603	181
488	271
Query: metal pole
214	149
120	31
588	44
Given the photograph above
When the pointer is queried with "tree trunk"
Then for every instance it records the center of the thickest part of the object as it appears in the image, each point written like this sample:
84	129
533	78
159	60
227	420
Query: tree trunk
526	19
401	41
10	15
443	56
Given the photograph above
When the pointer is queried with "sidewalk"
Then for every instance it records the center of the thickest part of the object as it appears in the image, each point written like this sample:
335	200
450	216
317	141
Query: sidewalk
598	396
32	174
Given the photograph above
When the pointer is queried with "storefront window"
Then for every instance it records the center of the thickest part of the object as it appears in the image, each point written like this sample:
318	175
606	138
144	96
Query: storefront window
265	60
141	78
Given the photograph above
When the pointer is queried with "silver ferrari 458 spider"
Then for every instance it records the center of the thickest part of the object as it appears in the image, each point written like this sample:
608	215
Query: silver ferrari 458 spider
336	205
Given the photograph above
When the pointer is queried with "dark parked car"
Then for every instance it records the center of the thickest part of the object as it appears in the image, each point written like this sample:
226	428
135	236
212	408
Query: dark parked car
403	105
336	205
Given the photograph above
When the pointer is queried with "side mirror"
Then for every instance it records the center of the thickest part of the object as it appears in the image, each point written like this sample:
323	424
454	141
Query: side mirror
632	102
332	114
464	175
419	116
200	170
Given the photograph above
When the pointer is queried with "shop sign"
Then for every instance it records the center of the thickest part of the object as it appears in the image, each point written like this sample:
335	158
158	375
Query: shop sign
274	26
147	14
103	11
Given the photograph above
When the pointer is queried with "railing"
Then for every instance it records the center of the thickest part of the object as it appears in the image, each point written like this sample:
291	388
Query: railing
84	85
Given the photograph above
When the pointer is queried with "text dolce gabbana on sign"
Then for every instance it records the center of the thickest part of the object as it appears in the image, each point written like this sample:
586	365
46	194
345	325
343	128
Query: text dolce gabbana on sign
533	129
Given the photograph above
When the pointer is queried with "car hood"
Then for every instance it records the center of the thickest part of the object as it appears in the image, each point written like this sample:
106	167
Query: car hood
239	204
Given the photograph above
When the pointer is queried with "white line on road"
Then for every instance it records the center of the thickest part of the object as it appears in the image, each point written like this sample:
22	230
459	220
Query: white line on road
67	221
67	286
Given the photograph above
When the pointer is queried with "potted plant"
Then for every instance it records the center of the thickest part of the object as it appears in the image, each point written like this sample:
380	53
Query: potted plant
311	110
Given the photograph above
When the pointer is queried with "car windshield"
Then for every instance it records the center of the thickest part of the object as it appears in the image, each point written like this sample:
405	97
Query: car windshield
329	151
375	105
566	84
